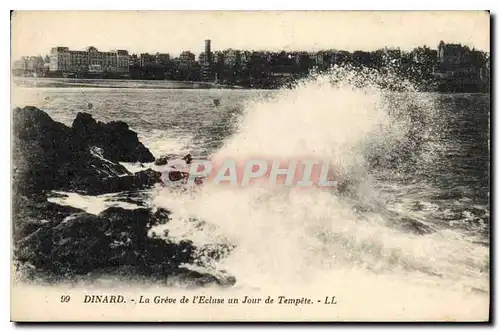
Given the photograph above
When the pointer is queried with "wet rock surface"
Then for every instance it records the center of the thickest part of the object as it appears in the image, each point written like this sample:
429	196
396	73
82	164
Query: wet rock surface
63	241
48	155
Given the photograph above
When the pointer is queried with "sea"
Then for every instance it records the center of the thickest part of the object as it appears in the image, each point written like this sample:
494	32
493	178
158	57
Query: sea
409	238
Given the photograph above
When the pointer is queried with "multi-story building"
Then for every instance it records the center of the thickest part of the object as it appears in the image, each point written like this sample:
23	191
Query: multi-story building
451	53
79	62
232	57
122	61
455	59
62	59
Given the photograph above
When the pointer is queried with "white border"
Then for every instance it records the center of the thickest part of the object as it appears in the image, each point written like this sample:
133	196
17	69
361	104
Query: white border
253	5
191	5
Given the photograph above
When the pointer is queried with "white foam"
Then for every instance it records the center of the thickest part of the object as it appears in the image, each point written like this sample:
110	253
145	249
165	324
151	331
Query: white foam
90	204
292	239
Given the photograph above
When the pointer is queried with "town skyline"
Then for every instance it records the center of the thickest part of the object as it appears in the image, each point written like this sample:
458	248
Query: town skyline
439	69
145	32
214	50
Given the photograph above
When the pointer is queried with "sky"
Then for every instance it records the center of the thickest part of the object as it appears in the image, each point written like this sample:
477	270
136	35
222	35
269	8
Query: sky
35	32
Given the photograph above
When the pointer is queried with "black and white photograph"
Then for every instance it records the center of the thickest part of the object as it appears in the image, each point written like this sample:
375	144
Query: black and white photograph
250	166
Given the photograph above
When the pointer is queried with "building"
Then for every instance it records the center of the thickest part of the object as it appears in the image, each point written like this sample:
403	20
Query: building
455	59
134	60
186	59
147	60
461	68
60	59
201	58
91	60
122	61
29	63
231	57
218	58
245	58
451	53
316	58
162	59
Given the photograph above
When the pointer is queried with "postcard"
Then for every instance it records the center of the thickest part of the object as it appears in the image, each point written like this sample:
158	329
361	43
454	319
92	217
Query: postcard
250	166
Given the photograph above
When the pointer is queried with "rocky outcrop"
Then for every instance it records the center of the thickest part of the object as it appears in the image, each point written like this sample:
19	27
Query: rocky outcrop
31	213
63	242
161	161
137	181
81	243
115	138
48	155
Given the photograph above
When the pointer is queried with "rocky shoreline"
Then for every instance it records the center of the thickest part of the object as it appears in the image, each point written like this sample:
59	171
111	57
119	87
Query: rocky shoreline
63	241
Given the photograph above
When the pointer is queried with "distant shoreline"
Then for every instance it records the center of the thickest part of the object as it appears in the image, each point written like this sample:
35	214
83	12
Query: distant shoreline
120	83
159	84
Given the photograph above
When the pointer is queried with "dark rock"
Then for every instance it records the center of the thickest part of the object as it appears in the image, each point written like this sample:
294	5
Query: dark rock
147	177
63	241
85	242
40	147
161	215
137	197
140	180
118	142
188	158
163	160
90	174
29	214
115	241
48	155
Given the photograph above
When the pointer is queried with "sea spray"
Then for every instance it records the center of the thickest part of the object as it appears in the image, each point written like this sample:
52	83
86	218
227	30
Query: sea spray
319	240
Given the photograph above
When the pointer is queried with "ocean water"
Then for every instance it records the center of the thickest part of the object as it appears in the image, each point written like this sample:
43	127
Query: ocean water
413	226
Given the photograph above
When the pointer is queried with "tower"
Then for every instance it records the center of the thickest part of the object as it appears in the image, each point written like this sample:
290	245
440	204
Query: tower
206	65
208	53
